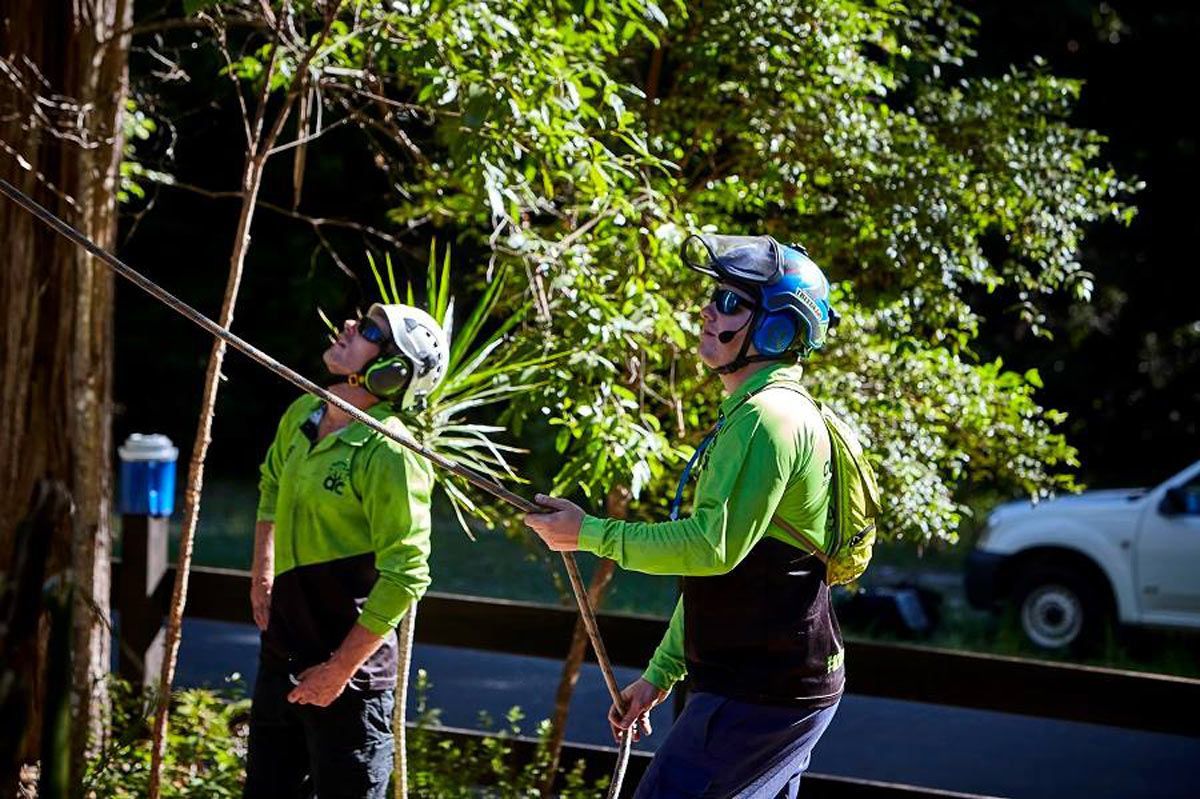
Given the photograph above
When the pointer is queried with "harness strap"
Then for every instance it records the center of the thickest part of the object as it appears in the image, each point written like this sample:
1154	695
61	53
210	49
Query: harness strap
801	539
707	441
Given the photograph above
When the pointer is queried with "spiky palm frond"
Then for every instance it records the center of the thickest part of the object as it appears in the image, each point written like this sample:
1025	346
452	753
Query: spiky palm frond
481	372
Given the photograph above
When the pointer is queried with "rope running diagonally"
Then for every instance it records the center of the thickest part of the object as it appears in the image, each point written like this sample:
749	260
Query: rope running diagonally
476	479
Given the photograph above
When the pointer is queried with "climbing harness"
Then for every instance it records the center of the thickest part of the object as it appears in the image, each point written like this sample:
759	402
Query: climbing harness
476	479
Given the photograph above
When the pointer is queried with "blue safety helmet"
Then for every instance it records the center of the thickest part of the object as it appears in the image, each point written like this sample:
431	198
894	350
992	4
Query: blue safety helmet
792	313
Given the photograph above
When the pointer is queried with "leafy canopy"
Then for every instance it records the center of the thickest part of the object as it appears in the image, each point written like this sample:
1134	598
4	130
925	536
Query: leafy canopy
580	142
575	143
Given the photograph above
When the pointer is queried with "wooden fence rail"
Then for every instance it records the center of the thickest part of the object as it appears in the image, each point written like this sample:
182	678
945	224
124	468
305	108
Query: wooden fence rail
943	677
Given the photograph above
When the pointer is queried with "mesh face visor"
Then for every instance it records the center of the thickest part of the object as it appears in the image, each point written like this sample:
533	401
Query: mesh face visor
752	260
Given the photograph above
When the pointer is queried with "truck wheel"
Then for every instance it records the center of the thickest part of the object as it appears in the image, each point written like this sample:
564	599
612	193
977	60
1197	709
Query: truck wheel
1059	608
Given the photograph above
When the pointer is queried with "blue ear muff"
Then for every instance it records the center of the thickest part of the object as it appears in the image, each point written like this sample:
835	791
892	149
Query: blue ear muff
387	378
774	334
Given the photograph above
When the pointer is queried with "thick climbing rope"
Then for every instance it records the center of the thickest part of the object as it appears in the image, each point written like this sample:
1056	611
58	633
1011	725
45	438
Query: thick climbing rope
480	481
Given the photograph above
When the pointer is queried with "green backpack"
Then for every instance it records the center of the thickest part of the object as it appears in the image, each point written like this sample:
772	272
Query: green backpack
854	504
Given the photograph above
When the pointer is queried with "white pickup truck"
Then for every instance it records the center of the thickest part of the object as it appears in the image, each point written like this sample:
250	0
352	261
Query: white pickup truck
1073	564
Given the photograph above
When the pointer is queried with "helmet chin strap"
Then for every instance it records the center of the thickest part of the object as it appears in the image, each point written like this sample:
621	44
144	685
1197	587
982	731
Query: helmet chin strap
742	358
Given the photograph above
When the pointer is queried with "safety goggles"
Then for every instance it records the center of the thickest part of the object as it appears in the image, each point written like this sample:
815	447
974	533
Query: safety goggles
728	302
371	331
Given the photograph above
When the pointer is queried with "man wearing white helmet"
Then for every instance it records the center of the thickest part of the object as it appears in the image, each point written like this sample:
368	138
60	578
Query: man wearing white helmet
341	552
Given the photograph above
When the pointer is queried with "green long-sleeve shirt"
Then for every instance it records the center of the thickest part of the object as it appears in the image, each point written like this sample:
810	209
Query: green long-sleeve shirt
346	507
771	457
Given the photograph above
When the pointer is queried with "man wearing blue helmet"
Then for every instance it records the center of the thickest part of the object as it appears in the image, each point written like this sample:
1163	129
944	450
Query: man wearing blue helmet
754	631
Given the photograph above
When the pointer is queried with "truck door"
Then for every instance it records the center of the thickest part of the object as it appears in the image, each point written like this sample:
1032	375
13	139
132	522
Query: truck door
1169	552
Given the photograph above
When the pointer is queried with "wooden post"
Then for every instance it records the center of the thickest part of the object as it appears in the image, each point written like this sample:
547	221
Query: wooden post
143	564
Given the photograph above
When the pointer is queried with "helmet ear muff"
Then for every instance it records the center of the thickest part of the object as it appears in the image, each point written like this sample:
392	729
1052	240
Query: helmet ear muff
387	378
775	334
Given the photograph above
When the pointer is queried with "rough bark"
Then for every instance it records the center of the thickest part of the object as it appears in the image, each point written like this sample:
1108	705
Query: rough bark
21	605
56	301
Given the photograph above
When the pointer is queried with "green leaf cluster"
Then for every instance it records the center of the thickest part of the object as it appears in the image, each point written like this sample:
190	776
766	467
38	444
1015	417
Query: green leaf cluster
205	751
137	127
576	143
581	144
442	768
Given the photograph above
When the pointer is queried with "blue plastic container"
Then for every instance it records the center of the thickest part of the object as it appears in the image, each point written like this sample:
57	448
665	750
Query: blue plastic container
147	475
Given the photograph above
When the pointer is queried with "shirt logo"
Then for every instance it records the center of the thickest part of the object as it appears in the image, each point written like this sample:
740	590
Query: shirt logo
835	661
335	479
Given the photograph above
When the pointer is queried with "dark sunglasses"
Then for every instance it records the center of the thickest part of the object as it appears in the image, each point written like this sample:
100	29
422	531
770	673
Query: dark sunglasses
372	332
728	302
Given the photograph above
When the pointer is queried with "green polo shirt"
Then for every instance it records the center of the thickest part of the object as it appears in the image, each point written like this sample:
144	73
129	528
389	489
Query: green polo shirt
771	457
351	497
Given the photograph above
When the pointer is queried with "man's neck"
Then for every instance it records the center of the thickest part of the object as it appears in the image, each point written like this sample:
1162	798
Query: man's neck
357	396
733	380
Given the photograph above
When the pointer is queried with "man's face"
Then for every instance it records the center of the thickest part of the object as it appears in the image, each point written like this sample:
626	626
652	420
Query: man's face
350	352
724	314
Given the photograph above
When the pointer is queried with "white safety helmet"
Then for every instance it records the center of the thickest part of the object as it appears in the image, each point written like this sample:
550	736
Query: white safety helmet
409	370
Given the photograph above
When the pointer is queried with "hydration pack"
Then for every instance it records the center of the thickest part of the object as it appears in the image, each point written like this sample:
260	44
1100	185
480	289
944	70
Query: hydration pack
853	501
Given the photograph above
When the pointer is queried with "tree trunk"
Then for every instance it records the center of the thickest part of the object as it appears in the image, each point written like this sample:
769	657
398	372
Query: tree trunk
251	181
56	302
617	506
258	149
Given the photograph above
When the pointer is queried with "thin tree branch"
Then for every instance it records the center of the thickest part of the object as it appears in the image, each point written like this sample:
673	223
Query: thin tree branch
223	46
332	84
387	127
187	23
337	259
306	139
313	221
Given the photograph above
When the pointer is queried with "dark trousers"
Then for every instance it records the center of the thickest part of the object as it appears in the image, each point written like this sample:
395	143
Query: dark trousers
300	751
720	747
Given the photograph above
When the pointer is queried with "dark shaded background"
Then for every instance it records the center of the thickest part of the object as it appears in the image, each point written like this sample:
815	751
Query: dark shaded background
1126	367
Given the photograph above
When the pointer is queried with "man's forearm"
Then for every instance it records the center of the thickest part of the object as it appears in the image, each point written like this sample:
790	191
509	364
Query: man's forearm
262	563
358	645
322	684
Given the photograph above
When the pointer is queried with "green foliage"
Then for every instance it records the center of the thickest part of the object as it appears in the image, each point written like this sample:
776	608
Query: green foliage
582	152
137	127
205	754
441	768
577	143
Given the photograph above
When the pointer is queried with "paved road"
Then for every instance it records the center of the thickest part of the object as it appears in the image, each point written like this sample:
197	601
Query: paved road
965	750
